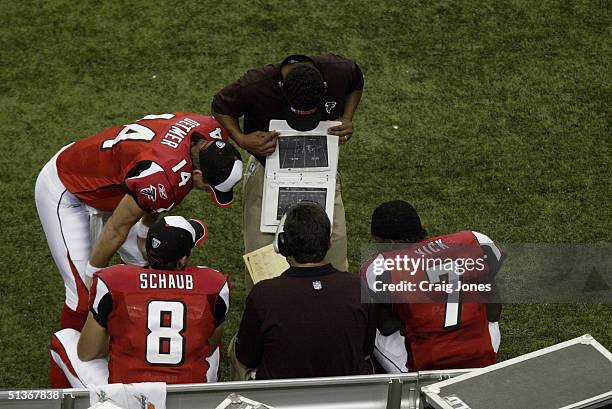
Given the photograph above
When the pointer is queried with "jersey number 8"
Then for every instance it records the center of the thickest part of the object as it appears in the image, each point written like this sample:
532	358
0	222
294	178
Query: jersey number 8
166	324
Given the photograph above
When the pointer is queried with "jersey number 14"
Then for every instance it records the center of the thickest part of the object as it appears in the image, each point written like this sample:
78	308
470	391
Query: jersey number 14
135	132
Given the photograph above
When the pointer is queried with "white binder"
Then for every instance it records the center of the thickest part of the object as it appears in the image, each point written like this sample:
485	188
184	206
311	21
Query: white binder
303	167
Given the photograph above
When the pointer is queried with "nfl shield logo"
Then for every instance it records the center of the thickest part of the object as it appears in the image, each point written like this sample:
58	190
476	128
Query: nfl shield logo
155	243
317	285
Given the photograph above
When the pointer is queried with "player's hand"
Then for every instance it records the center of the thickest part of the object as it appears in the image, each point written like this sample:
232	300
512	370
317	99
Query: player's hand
259	143
344	131
88	282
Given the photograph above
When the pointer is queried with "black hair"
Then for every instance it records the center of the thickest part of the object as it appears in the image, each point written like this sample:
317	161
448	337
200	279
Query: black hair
307	232
397	220
157	262
304	87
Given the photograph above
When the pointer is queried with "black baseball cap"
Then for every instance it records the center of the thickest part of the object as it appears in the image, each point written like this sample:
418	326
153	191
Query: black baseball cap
397	220
303	88
221	166
173	237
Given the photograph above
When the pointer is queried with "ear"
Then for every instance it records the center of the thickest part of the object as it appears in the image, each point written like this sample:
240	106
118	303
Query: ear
198	179
324	86
196	145
198	176
182	263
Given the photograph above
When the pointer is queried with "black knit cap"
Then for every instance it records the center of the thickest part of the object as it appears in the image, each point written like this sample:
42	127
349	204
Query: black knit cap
397	220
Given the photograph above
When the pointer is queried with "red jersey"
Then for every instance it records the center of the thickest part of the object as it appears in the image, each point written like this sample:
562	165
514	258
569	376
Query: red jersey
159	321
149	159
441	329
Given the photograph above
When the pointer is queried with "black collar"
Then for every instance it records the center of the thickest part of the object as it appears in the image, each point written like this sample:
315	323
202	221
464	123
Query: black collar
310	271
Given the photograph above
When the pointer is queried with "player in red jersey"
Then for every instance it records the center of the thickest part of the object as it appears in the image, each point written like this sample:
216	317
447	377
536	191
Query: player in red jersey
156	324
432	313
133	172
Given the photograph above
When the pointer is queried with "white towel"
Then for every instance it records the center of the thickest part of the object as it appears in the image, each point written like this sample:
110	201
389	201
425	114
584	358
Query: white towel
146	395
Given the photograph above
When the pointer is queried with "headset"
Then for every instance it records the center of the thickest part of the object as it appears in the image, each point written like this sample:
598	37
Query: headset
280	238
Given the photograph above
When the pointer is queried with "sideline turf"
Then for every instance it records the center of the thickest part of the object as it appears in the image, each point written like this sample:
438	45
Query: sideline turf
489	115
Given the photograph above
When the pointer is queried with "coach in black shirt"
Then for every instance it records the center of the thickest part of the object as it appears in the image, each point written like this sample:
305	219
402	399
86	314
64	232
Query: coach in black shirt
309	321
302	90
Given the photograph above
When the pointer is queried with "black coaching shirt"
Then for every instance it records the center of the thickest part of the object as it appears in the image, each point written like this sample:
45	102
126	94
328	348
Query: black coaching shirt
258	97
308	322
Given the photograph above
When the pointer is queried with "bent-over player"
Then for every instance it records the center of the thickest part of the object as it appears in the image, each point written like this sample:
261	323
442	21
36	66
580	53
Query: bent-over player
423	322
133	171
156	324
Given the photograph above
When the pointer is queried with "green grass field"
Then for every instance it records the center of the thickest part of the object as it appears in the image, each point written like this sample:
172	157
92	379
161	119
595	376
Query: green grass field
492	116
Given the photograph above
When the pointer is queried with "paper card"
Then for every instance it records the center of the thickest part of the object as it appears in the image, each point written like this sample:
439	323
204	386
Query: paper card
265	263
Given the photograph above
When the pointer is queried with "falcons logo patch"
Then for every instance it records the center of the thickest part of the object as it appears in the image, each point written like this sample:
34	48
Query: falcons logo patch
162	191
216	134
150	192
329	105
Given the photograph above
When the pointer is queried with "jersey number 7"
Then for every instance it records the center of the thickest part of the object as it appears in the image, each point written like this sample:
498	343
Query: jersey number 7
452	312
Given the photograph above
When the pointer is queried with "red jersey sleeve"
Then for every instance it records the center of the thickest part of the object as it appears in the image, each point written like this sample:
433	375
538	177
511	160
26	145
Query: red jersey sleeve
100	300
222	303
489	247
148	184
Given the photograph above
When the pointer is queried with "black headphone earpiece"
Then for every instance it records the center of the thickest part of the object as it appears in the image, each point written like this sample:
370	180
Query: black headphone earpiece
283	249
280	239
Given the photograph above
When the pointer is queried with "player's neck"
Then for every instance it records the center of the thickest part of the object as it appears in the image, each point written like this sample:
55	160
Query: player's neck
295	264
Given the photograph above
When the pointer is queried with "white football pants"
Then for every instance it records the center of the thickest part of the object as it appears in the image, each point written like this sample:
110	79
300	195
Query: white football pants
66	222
